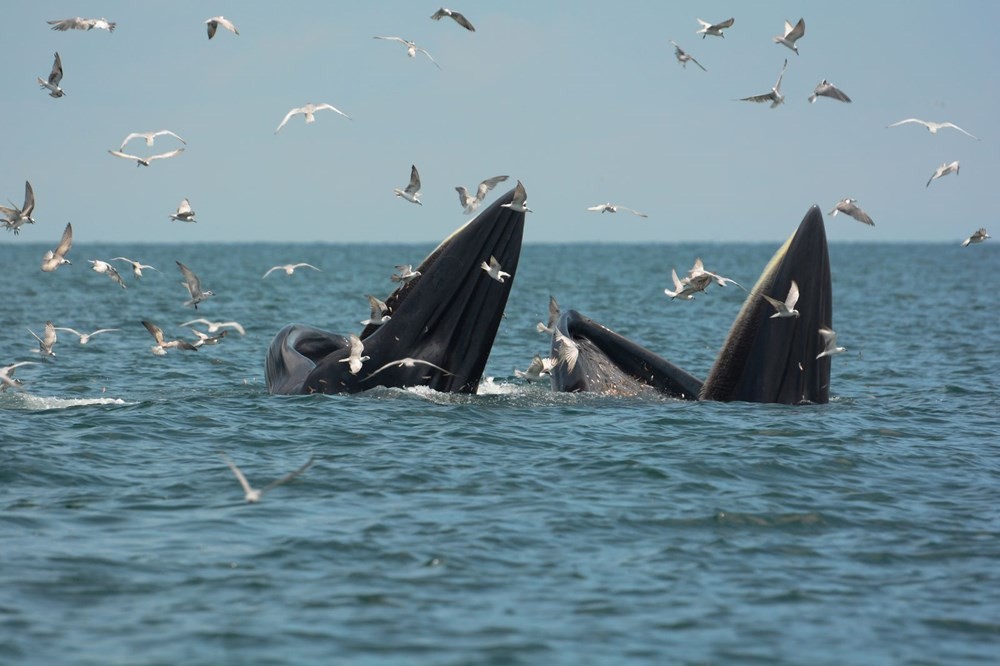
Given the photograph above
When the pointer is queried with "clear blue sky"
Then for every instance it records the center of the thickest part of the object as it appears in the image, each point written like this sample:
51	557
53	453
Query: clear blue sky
582	101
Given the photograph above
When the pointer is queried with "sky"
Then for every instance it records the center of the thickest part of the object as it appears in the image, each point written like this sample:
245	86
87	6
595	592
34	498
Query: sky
582	101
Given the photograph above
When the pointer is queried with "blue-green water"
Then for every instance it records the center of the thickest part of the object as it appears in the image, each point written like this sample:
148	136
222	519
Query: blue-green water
517	526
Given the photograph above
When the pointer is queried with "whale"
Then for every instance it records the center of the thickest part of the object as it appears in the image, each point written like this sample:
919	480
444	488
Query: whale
763	359
447	316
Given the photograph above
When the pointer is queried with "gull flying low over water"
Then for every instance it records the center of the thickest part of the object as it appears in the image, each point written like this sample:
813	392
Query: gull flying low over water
7	376
309	111
214	23
355	359
774	97
493	269
85	337
412	191
252	494
411	48
150	137
943	170
206	339
53	259
932	127
471	203
55	76
786	309
214	326
289	268
161	346
407	363
683	291
683	56
145	161
827	89
714	28
405	273
105	268
539	366
850	207
184	212
379	311
792	35
193	285
612	208
136	266
698	274
46	343
519	201
78	23
569	351
829	343
458	18
978	236
16	217
554	313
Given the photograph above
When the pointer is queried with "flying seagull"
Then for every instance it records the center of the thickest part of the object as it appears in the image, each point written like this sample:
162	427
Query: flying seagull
519	201
944	170
289	268
78	23
698	276
977	237
161	346
16	217
407	363
829	343
683	291
308	111
55	76
471	203
379	311
53	259
714	28
612	208
786	309
7	376
45	344
493	269
932	127
792	35
150	137
105	268
354	358
412	191
206	339
85	337
214	23
683	56
184	212
554	314
458	18
850	207
136	266
405	274
827	89
145	161
774	97
569	351
539	366
214	326
193	285
252	494
411	48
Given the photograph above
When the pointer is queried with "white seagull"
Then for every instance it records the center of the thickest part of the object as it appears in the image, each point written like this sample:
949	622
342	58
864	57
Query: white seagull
308	111
519	201
612	208
774	97
46	344
411	48
78	23
193	285
978	236
554	313
792	35
458	18
145	161
405	274
105	268
850	207
698	276
932	127
827	89
214	23
206	339
683	291
355	359
493	269
683	56
569	351
214	326
379	311
786	309
412	191
136	266
714	28
289	268
944	170
184	212
407	363
252	494
471	203
829	343
55	76
150	137
85	337
7	376
161	346
539	366
53	259
17	217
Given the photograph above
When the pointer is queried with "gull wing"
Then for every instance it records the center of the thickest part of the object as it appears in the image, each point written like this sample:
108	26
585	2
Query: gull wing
796	32
954	126
239	475
909	120
66	242
287	117
154	330
29	200
331	107
163	156
55	76
488	184
118	153
414	185
793	296
777	86
728	23
288	477
191	280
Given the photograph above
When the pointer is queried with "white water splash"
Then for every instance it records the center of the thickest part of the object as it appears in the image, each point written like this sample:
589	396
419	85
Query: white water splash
40	403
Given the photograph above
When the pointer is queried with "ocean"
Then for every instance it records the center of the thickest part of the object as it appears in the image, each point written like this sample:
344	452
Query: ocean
515	526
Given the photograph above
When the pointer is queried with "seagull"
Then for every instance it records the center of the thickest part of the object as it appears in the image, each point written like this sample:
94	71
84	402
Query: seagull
471	203
774	97
683	56
539	366
379	312
829	343
85	337
412	191
569	351
46	344
193	285
214	23
407	363
161	346
518	203
107	269
53	259
82	24
405	274
214	326
144	161
7	376
786	309
136	266
252	494
411	48
697	273
944	170
977	237
714	28
685	292
309	110
289	268
493	269
827	89
792	35
17	217
355	359
184	212
55	76
206	339
554	313
850	207
458	18
932	127
150	137
612	208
